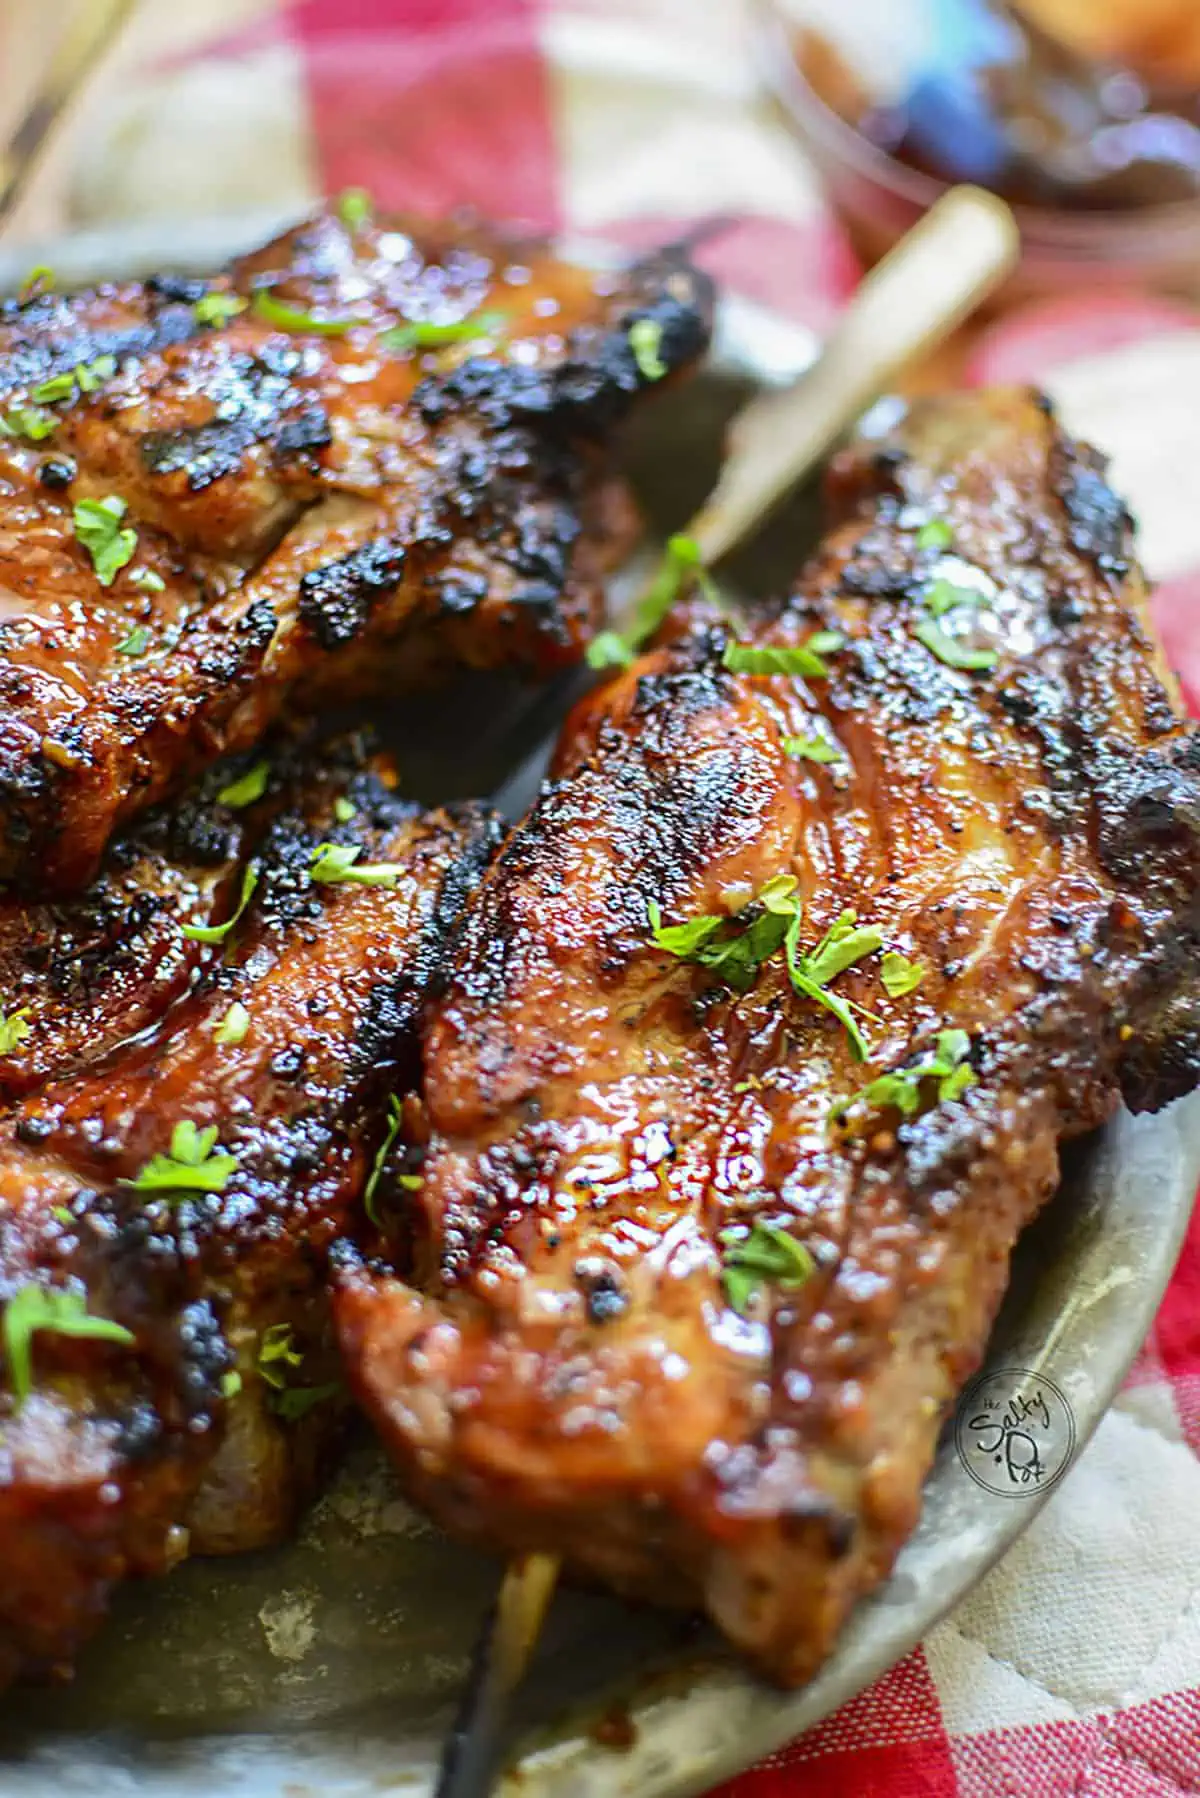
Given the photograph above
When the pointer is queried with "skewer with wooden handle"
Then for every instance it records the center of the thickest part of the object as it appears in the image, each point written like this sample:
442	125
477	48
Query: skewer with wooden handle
933	279
935	276
502	1653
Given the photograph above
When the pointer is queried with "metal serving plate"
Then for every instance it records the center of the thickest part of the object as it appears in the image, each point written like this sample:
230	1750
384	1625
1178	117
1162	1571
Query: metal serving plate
331	1667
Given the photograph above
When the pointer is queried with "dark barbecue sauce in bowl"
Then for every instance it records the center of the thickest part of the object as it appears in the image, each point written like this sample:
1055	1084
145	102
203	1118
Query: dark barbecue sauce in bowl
1001	104
894	100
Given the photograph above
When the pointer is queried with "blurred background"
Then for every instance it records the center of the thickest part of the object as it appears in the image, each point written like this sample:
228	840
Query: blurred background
1084	113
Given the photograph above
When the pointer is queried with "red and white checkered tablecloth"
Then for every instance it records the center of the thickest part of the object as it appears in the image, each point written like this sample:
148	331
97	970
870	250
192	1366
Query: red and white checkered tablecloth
1074	1668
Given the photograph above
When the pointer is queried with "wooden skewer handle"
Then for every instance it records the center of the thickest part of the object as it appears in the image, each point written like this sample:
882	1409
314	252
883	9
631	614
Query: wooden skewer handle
90	33
959	252
472	1752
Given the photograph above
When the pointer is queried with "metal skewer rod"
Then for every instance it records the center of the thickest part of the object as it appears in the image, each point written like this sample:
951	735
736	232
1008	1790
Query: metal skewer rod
960	252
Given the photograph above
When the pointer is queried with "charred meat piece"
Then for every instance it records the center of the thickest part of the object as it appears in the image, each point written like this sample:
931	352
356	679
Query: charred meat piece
364	452
185	1191
691	1284
81	975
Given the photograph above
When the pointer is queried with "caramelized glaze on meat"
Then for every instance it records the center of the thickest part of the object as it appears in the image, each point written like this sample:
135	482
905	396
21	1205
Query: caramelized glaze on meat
119	1452
317	513
88	972
556	1360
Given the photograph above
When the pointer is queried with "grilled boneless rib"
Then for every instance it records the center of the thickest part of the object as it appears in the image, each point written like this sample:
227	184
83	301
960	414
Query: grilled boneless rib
691	1286
82	975
208	1417
313	507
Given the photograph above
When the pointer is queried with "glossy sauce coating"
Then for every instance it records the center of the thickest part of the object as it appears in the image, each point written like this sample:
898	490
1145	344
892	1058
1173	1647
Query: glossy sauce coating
315	506
120	1453
557	1361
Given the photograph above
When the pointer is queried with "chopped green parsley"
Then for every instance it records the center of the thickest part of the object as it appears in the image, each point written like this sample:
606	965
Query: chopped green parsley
247	788
943	596
57	1311
355	207
294	318
91	375
900	975
947	1064
277	1356
295	1402
193	1163
951	651
645	340
844	943
277	1352
426	334
218	308
14	1028
811	749
85	377
609	649
232	1028
736	948
38	281
380	1161
216	933
681	561
805	658
135	643
58	387
935	533
764	1255
109	543
33	422
332	863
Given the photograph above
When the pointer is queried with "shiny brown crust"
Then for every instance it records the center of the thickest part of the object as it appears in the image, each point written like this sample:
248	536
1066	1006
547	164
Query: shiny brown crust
91	971
553	1360
328	516
118	1456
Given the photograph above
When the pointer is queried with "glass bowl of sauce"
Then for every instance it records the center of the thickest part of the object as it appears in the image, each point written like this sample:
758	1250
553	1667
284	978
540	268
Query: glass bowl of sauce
894	100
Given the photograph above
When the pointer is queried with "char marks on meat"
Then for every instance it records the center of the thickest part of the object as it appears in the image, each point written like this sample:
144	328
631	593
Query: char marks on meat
652	1174
120	1453
562	1355
315	514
